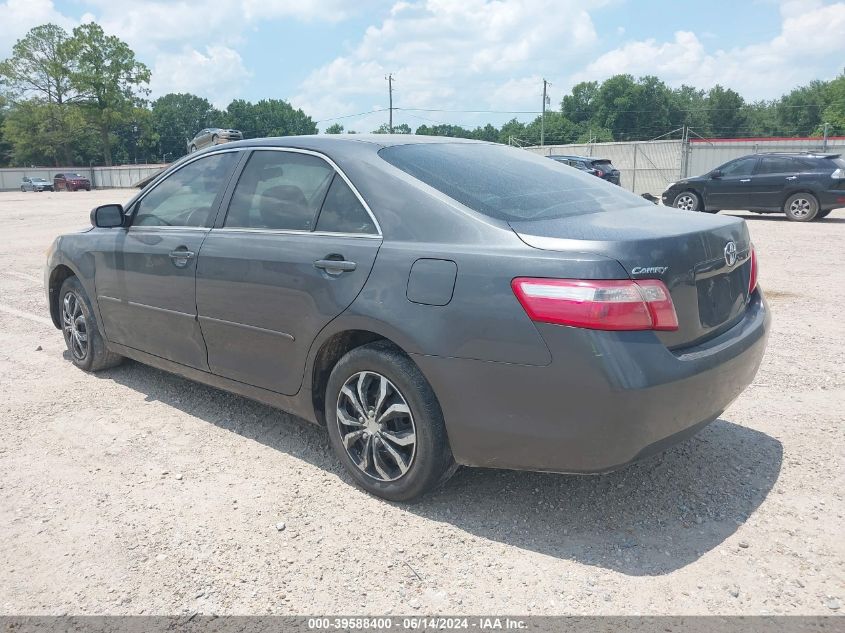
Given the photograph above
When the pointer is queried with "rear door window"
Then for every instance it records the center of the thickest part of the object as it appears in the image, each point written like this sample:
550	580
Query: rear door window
506	183
342	212
776	165
279	191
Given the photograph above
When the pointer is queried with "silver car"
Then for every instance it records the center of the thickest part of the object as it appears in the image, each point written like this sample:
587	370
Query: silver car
213	136
36	184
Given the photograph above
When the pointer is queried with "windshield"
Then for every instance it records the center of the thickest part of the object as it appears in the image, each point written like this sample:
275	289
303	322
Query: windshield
507	183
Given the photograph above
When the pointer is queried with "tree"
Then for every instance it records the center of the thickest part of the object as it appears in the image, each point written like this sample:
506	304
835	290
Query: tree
334	128
109	80
558	129
384	128
35	140
40	68
177	117
580	106
512	131
725	112
268	117
834	114
5	146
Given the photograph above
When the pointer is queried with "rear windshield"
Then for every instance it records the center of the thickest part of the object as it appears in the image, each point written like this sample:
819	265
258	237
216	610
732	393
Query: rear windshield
602	161
509	184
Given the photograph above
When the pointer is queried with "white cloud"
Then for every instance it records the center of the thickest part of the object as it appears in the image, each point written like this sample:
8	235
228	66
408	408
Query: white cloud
19	16
454	55
219	72
810	33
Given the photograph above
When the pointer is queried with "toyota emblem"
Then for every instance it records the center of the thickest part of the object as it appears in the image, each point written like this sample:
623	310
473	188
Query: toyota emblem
730	254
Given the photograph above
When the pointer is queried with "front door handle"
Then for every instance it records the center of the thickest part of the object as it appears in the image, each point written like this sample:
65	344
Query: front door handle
335	266
792	177
745	180
181	256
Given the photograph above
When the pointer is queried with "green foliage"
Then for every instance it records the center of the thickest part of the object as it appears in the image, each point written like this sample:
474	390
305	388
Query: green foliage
40	65
384	128
334	128
107	78
268	117
46	134
177	117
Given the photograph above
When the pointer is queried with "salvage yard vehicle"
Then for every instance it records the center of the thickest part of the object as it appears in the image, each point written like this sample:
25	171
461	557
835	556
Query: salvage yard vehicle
213	136
600	167
71	182
36	184
803	185
431	301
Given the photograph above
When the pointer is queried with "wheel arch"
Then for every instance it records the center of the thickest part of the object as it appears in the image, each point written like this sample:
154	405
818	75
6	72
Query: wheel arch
57	277
327	356
805	190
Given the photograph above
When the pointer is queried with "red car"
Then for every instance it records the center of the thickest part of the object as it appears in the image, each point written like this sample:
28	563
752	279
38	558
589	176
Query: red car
71	182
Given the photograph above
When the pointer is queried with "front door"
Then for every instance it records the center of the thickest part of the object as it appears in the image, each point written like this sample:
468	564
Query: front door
734	187
146	278
293	252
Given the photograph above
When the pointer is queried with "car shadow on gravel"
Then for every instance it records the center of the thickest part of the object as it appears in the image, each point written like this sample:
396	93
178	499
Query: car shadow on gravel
648	519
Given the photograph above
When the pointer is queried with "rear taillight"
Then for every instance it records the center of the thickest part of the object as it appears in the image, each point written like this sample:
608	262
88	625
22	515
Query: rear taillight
752	278
599	173
644	304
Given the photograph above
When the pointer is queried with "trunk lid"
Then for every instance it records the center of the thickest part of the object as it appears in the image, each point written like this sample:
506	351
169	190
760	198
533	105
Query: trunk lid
687	251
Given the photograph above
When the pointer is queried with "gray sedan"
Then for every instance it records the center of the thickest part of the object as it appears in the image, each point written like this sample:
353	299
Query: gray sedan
213	136
432	302
36	184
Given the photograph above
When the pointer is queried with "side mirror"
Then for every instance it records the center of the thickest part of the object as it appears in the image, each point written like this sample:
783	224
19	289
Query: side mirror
716	174
107	216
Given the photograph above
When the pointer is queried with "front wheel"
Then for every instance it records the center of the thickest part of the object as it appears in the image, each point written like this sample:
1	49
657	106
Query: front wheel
801	207
193	148
823	214
385	424
687	201
86	345
23	189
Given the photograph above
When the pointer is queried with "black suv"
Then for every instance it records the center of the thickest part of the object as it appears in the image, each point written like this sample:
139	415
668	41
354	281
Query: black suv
804	186
600	167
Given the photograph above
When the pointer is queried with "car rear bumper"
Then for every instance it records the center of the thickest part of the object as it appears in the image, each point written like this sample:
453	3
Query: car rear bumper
612	398
832	199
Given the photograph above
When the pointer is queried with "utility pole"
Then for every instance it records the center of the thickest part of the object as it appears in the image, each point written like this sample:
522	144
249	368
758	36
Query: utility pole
390	97
543	116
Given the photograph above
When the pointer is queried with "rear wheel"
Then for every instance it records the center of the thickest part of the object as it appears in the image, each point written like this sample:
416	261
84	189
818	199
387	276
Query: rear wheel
86	345
214	139
23	189
823	214
193	148
385	424
801	207
687	201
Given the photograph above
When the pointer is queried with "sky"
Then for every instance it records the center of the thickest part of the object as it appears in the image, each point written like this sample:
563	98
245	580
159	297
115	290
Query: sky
467	62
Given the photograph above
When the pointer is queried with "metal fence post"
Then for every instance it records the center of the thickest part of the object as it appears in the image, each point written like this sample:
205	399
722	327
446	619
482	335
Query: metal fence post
634	178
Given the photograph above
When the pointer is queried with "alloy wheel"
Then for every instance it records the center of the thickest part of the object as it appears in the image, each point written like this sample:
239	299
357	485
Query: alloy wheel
800	208
376	426
686	202
73	324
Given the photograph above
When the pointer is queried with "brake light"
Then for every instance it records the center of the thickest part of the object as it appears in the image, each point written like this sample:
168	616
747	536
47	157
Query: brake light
752	278
644	304
599	173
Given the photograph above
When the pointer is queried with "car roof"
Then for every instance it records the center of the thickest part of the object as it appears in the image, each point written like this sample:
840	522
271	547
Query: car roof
319	142
573	156
799	154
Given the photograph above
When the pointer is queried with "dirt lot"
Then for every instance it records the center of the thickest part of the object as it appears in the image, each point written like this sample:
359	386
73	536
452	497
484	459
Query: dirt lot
134	491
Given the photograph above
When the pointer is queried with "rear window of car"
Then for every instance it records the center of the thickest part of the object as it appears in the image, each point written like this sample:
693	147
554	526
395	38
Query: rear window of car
603	162
505	183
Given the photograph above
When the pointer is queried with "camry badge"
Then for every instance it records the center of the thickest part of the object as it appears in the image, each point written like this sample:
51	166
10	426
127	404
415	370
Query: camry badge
730	254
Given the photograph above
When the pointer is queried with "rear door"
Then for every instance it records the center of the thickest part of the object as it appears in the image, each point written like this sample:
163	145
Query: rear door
145	278
772	177
292	251
734	188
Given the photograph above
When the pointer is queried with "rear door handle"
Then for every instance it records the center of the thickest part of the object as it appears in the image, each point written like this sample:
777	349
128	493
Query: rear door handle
335	266
181	256
792	177
745	180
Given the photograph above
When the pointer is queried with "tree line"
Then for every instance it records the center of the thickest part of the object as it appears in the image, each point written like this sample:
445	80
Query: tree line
82	98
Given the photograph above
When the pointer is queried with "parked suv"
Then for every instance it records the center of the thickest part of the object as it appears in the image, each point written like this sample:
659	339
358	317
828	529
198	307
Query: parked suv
71	182
804	186
213	136
600	167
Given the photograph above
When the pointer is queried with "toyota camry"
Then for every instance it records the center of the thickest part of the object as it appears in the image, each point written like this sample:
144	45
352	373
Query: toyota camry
432	302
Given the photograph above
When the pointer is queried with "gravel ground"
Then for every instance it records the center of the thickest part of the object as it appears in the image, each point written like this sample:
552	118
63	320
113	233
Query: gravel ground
137	492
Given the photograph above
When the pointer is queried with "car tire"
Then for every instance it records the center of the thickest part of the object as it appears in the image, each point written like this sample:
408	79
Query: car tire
687	201
407	454
214	139
86	345
23	189
801	207
823	214
193	148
